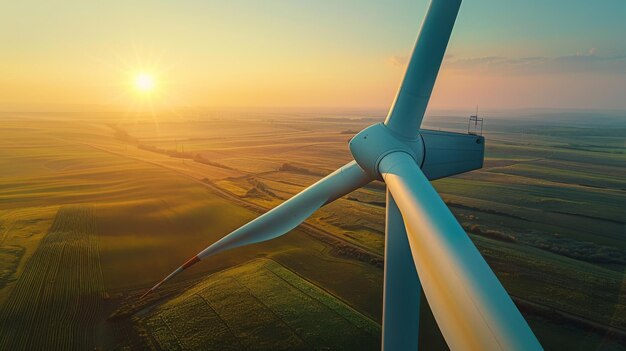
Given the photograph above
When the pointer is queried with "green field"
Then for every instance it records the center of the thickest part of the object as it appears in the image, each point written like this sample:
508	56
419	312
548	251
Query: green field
259	305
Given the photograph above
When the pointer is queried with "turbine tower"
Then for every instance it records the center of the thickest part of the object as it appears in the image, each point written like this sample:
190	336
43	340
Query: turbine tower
425	248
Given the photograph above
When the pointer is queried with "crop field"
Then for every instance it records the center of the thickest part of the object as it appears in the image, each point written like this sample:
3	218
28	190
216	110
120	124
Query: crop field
253	306
150	213
57	299
547	212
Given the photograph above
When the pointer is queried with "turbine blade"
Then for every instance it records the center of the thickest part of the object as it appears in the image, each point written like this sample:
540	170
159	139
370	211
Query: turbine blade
286	216
471	307
407	111
402	288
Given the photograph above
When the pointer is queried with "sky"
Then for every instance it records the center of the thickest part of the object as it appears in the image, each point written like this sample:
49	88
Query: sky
302	53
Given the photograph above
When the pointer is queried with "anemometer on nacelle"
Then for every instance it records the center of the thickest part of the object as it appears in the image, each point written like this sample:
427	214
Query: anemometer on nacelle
475	124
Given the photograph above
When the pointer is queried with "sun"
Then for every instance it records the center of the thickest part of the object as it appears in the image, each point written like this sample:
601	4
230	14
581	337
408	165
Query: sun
144	82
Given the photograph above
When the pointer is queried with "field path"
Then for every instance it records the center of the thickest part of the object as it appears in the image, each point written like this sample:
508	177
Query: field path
365	254
56	302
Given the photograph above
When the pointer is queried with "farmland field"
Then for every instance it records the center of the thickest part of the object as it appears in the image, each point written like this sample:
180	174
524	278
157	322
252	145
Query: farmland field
132	199
56	303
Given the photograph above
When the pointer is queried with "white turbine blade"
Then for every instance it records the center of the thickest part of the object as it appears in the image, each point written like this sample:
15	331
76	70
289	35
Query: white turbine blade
471	307
407	111
287	215
402	288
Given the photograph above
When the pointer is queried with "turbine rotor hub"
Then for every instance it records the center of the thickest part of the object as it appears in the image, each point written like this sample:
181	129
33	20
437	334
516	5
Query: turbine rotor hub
373	143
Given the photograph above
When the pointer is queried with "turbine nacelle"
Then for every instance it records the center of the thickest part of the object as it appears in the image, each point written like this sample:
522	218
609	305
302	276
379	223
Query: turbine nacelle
375	142
439	154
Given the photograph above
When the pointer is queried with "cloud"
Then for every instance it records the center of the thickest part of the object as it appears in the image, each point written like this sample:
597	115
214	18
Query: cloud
581	62
589	61
398	60
403	60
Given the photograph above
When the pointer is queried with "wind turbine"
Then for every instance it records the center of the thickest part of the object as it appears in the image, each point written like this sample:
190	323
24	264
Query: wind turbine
425	245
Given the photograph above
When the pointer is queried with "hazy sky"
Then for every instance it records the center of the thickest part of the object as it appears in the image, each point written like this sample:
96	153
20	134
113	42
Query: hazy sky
288	53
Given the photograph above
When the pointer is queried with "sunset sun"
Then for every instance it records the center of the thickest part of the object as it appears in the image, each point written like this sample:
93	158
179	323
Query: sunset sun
144	82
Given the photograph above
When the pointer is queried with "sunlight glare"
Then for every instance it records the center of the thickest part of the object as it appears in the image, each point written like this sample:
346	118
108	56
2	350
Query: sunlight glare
144	82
